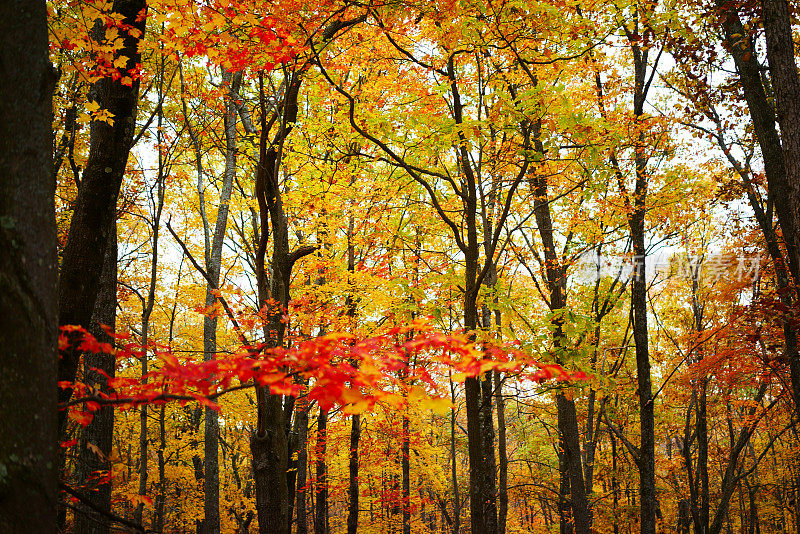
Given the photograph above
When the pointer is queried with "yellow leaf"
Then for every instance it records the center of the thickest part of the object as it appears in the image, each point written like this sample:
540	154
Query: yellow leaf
394	401
351	396
121	62
416	393
459	377
436	405
105	116
92	106
356	408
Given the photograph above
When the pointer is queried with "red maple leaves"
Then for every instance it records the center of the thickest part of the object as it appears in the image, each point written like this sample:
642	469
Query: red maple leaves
334	369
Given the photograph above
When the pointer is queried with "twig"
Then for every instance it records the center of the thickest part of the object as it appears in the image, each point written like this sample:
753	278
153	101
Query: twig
213	286
158	398
87	502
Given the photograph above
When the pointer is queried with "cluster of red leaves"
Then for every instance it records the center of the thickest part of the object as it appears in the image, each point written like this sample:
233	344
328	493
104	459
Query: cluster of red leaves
228	33
748	348
335	369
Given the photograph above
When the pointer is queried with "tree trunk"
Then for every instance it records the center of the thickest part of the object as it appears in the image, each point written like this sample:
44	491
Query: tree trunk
647	471
28	274
614	483
636	222
453	463
405	465
269	470
321	511
96	204
291	454
161	497
301	420
786	86
213	257
573	492
355	421
268	443
502	453
702	417
100	431
352	508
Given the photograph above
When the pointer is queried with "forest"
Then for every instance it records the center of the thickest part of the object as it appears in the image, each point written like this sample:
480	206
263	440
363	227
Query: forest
399	266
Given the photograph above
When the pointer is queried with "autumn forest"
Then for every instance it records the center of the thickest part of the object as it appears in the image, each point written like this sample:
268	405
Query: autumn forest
389	266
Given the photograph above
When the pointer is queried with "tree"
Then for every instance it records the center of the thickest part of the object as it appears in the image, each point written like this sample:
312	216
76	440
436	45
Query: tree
28	274
96	205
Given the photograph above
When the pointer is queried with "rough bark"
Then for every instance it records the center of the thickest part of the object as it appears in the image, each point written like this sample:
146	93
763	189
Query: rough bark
786	87
453	464
636	222
321	466
100	431
405	464
502	455
353	506
647	471
28	274
301	420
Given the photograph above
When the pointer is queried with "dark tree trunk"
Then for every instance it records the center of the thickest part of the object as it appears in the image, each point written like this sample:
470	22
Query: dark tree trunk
302	465
453	464
301	421
291	454
779	153
702	456
28	274
502	454
405	450
100	431
647	471
321	504
96	204
636	222
268	443
762	115
573	492
786	86
614	483
355	421
161	497
353	508
483	508
269	471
